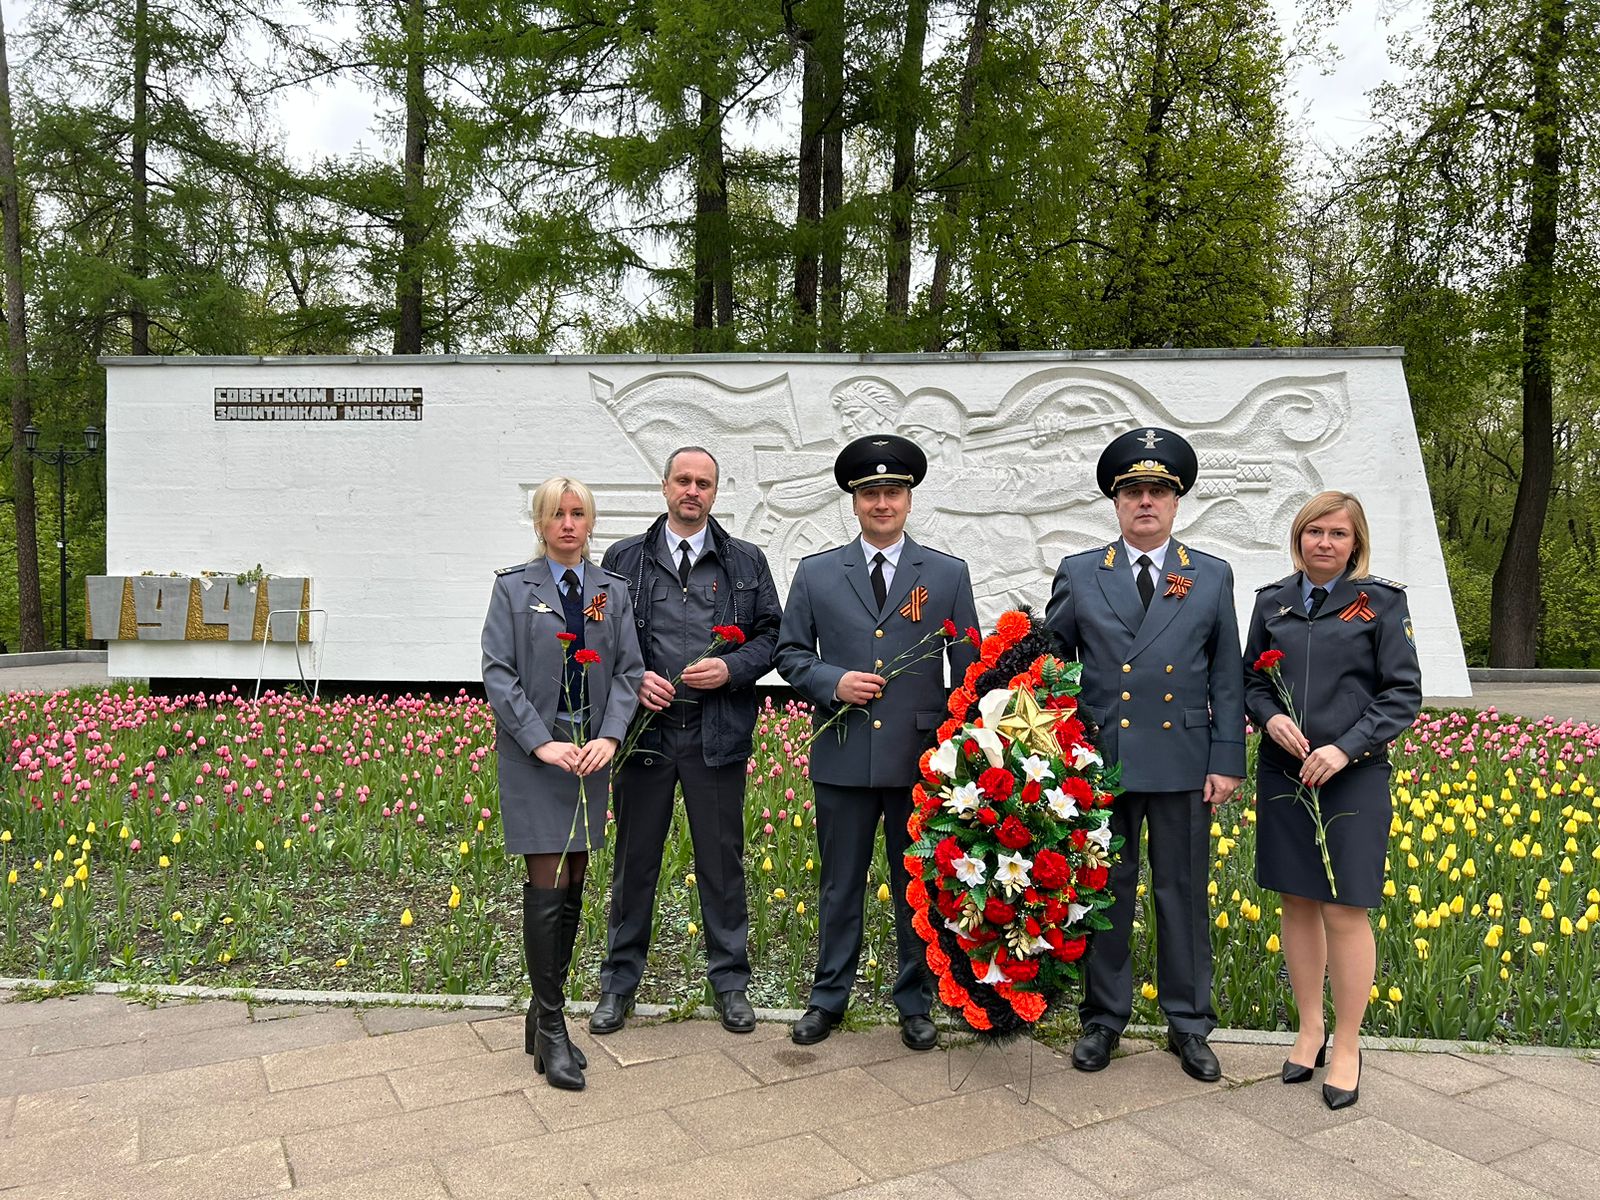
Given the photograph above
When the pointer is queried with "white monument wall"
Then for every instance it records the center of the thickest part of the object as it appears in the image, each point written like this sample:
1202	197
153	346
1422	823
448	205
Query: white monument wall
399	524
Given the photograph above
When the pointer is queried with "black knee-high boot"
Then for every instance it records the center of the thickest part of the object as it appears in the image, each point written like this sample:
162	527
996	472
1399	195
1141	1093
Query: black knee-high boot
542	944
571	916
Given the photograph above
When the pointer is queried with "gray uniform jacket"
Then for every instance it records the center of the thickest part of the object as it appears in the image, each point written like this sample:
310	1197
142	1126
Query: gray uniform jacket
1355	678
831	625
1164	684
522	657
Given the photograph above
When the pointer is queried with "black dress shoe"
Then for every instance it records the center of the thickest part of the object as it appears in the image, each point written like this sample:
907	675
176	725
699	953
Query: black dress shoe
1198	1059
735	1011
611	1014
1294	1072
1337	1098
1092	1052
918	1032
814	1026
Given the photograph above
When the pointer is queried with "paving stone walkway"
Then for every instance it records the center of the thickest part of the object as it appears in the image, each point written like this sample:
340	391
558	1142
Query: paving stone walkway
106	1098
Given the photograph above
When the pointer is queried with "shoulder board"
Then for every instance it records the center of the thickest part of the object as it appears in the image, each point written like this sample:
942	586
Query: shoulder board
1105	555
820	553
614	575
514	567
1276	583
1378	579
941	553
1181	549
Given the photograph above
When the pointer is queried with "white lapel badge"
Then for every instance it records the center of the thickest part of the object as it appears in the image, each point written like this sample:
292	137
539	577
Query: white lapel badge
541	607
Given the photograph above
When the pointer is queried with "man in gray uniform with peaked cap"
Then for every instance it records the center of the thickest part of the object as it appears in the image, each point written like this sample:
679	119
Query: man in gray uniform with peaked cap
1153	622
856	614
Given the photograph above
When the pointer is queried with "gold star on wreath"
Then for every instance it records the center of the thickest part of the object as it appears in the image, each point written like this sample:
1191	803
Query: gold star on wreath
1030	725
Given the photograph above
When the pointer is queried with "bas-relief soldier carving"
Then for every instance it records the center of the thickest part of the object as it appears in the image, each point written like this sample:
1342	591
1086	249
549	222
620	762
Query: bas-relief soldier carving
1036	446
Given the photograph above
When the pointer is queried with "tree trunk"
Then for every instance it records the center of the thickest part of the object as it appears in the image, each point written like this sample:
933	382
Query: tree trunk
1515	603
713	252
939	287
413	218
831	40
902	178
30	611
139	247
1147	322
808	191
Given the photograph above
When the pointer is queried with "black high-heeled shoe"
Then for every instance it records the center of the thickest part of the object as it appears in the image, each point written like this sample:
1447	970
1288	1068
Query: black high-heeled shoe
1337	1098
1294	1072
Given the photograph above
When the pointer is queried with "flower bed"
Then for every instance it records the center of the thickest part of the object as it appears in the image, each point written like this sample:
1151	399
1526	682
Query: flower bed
232	843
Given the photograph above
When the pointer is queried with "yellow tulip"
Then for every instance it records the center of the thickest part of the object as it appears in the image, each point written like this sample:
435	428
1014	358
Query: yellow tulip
1421	945
1538	948
455	897
57	902
1548	912
72	839
1148	991
688	879
1395	995
779	894
177	838
766	864
1566	926
463	848
810	865
1388	887
1272	943
1566	866
125	833
339	962
177	917
693	929
164	861
81	874
1374	994
1524	926
260	845
5	835
1504	973
1492	938
406	919
1222	919
883	893
12	877
58	856
800	908
797	823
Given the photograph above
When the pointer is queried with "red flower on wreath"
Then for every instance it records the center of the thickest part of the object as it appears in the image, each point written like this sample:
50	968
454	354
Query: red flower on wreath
948	905
997	912
1013	626
1013	834
586	657
1051	870
960	701
988	816
1079	789
1071	950
1031	792
997	783
1021	970
945	854
729	633
1093	878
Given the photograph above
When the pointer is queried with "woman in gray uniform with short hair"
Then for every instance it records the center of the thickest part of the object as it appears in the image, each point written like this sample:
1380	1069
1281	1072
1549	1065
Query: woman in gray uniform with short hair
1340	641
561	667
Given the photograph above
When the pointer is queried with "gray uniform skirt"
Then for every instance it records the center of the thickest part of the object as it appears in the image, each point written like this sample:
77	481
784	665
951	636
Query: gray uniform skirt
1287	856
539	808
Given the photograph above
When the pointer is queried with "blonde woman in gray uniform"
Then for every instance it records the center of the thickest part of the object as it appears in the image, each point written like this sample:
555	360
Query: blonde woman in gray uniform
561	668
1347	684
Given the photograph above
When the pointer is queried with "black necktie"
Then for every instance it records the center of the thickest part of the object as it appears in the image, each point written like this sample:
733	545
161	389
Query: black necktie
1318	595
683	564
572	692
1147	584
880	590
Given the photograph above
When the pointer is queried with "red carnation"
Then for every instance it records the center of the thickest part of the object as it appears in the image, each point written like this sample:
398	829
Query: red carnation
1093	878
1071	950
945	855
1079	838
1062	703
1078	788
1055	911
998	912
950	630
1268	660
988	816
997	783
1069	732
1051	870
969	748
948	904
1030	792
1054	937
1021	970
586	657
1013	834
1103	800
729	633
1031	895
974	637
567	637
1032	926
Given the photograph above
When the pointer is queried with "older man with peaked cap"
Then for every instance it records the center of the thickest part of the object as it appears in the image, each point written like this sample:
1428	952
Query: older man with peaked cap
1153	622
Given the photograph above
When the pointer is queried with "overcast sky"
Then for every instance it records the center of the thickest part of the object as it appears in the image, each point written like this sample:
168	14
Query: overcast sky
332	120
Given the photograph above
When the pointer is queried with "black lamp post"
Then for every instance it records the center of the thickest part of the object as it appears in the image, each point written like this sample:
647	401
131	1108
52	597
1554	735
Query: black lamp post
61	458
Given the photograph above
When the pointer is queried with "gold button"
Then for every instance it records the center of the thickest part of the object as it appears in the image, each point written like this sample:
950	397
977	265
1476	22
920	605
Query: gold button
877	695
879	633
1126	668
1124	722
877	724
1169	668
1127	695
1166	724
1168	697
877	662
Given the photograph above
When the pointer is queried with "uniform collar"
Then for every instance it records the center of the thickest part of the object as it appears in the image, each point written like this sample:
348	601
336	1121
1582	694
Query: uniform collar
1158	556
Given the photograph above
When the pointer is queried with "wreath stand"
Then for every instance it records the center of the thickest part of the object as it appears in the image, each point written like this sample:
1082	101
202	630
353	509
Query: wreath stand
1023	1090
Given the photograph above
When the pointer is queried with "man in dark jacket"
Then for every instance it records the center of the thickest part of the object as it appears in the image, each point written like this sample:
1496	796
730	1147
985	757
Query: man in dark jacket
686	575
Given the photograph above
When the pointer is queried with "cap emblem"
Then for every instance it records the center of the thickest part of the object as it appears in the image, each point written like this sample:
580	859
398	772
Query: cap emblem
1150	439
